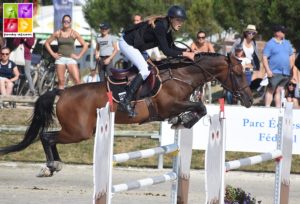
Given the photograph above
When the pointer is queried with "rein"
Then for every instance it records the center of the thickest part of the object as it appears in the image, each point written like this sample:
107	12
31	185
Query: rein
237	91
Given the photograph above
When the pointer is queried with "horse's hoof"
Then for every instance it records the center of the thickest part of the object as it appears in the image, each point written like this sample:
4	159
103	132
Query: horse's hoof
174	120
177	126
45	172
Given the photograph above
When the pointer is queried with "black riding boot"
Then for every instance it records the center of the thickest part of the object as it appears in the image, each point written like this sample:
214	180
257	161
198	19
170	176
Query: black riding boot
132	88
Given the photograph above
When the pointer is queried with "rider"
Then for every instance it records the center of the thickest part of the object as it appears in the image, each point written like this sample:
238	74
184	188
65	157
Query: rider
157	31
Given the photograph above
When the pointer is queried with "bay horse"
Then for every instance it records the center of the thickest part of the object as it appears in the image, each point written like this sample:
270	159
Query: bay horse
76	106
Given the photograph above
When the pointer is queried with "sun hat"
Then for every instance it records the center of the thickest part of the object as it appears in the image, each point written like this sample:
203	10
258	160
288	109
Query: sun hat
250	27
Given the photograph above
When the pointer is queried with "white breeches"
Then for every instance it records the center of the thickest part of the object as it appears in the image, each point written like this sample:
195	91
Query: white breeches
135	56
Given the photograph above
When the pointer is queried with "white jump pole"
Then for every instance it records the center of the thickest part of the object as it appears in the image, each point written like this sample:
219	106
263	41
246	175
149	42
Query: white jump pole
103	159
215	158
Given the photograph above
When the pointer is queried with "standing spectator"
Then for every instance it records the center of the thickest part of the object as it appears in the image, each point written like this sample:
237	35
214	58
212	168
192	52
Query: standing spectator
9	72
92	76
106	50
66	56
2	41
249	46
201	45
278	62
28	44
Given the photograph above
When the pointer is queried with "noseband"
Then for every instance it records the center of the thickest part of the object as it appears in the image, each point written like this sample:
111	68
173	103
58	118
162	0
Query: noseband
236	90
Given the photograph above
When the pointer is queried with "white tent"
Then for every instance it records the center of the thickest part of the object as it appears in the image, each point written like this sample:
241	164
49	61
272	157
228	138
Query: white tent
45	21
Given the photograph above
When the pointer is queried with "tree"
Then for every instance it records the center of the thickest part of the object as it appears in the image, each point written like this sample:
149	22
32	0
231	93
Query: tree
285	13
200	17
118	13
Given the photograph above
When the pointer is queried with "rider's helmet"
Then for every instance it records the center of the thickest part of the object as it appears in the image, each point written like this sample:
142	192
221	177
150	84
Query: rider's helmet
176	12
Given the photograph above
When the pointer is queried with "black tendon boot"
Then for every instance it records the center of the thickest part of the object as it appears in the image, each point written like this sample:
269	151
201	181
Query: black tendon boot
132	88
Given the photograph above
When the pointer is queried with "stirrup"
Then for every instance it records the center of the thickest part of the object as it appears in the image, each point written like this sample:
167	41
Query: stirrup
126	107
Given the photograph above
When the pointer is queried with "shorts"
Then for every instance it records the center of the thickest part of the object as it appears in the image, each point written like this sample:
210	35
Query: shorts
65	60
278	80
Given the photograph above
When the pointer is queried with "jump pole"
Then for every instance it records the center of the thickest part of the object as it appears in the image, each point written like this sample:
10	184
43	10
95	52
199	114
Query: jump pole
215	158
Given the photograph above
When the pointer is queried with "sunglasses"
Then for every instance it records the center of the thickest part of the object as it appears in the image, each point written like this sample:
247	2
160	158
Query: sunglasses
291	84
4	53
67	22
200	37
251	33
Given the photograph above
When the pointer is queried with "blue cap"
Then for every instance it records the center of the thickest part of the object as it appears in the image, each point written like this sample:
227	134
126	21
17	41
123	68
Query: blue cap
104	25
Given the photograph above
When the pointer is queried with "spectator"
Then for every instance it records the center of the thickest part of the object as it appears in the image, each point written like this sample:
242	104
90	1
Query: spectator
65	56
106	50
92	76
246	62
2	41
295	74
292	93
9	72
249	46
247	67
278	62
137	18
201	45
28	44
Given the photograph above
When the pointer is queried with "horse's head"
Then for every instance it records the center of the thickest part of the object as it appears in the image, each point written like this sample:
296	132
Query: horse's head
234	80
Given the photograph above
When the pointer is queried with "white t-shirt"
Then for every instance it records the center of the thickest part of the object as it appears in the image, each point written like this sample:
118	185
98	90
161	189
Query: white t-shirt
248	51
106	44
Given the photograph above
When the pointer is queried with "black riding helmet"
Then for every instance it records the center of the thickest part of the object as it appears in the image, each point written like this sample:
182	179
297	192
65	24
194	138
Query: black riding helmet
176	12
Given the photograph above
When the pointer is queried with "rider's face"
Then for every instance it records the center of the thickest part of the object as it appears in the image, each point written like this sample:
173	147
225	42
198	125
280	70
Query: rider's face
176	23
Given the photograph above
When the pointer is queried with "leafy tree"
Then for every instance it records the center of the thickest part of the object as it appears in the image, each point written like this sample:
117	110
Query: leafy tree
119	13
200	17
285	13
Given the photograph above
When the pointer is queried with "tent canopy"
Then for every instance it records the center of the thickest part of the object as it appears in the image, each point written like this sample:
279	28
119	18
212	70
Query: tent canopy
45	23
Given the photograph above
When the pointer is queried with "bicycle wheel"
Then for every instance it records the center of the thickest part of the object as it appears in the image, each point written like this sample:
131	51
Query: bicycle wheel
47	82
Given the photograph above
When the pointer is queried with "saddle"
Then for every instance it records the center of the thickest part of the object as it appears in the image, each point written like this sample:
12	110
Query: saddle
120	78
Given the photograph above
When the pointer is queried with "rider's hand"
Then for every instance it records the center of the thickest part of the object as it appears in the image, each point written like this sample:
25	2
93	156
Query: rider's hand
107	61
97	57
189	55
56	56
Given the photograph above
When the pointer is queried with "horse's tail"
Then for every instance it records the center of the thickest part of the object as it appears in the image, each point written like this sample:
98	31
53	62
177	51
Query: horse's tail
41	119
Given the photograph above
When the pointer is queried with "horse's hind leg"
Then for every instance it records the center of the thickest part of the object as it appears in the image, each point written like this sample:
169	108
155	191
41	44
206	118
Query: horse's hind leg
48	140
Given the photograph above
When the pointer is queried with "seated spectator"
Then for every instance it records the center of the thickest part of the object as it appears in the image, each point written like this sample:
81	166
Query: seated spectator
9	73
292	93
91	77
201	45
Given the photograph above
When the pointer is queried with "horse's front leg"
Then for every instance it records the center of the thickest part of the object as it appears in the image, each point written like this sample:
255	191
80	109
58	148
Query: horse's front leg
191	113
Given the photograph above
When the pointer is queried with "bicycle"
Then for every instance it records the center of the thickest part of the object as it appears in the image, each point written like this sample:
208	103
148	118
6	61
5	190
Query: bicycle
21	87
49	78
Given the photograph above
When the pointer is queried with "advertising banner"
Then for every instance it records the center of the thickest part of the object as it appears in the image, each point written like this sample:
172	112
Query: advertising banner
247	129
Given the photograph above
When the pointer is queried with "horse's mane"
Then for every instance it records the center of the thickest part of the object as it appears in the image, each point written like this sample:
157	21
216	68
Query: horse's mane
211	54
